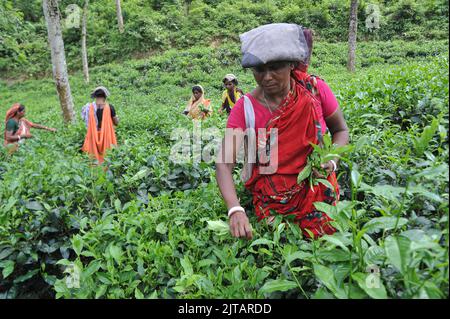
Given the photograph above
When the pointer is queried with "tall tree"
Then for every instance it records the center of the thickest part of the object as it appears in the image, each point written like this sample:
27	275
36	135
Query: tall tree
187	4
83	42
352	35
60	75
119	16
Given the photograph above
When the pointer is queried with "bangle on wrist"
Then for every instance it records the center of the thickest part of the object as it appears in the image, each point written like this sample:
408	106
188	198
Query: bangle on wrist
235	209
334	165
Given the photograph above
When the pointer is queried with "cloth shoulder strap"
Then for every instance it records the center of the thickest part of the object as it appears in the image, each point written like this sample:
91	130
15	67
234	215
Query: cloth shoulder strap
249	114
309	81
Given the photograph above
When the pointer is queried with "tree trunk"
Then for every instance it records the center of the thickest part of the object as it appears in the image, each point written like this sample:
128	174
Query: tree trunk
119	16
83	42
60	75
352	35
187	4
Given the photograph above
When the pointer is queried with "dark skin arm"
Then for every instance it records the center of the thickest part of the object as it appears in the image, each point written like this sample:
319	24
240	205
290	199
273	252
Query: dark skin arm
100	104
42	127
340	136
115	120
239	223
11	138
222	108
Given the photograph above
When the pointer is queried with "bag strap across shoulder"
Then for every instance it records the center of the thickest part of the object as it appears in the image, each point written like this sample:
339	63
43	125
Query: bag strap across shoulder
249	114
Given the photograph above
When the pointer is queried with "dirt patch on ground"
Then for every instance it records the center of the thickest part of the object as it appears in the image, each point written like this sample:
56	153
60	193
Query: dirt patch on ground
144	55
216	42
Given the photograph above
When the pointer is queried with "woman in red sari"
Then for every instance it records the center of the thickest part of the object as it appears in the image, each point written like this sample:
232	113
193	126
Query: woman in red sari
300	107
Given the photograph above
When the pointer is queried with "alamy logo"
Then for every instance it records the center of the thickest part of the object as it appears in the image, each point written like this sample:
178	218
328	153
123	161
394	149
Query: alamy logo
73	16
373	17
205	145
73	276
373	277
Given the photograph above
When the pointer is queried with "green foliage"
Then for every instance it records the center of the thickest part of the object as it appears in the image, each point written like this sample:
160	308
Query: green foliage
148	228
321	154
155	26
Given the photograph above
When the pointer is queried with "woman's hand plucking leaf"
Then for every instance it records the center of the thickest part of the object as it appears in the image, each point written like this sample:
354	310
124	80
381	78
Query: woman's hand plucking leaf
240	225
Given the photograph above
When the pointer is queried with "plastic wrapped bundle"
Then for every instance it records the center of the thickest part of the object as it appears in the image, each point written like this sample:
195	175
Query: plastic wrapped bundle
273	42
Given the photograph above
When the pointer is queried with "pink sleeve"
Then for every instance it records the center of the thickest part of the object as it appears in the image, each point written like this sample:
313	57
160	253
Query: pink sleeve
329	102
237	117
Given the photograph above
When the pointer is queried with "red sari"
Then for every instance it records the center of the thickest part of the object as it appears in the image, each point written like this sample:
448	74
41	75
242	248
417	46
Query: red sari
297	122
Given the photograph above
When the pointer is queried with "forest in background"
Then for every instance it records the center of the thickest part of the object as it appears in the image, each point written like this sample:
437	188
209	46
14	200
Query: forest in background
155	26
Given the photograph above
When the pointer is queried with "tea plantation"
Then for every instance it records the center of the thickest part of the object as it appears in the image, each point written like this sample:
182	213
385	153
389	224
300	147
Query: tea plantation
146	227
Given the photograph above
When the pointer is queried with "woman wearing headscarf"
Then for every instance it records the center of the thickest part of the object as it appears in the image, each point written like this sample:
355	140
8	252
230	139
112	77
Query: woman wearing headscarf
231	94
295	109
100	119
198	108
17	127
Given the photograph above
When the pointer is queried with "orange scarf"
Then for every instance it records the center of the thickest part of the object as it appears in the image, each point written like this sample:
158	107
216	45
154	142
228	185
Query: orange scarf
97	142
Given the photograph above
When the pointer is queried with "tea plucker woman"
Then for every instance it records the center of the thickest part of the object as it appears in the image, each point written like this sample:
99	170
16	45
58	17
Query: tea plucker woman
301	107
198	107
231	94
100	119
17	127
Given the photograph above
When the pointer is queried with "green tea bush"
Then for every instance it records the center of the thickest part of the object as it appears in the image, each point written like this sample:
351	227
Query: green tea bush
148	228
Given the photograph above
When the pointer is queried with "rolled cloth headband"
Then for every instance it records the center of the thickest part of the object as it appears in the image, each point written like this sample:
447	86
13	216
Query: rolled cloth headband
230	77
197	88
12	111
100	88
273	42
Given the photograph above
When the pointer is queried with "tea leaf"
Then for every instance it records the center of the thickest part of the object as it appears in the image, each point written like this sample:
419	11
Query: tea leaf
262	241
277	285
298	255
371	284
335	241
77	244
187	266
423	141
304	174
8	268
161	228
34	205
384	223
218	226
326	276
398	252
138	294
116	252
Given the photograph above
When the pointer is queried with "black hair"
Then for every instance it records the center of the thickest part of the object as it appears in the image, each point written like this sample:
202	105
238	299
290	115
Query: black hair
21	108
197	88
235	81
308	33
275	65
98	93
